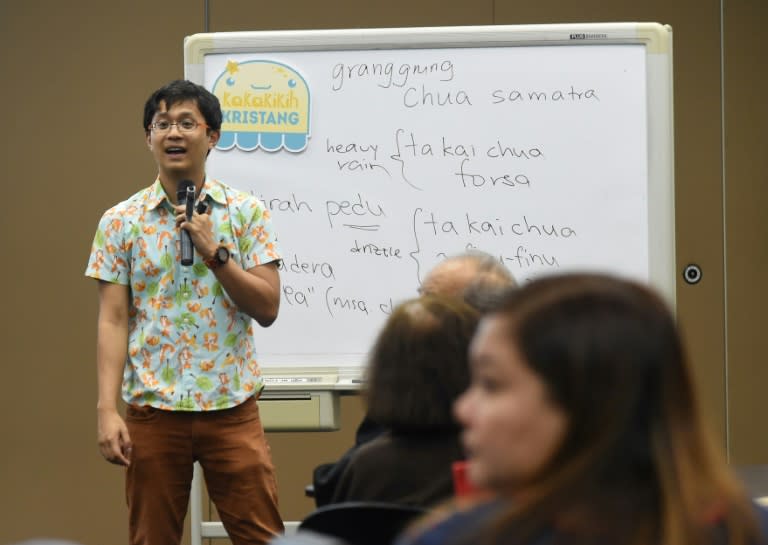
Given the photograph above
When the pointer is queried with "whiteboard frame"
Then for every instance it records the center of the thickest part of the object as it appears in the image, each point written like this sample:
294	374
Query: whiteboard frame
656	38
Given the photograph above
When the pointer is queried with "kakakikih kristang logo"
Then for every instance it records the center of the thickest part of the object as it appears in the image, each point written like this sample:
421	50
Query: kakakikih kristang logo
264	104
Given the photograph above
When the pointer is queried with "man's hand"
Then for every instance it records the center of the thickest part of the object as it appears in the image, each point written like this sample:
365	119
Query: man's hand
114	442
255	291
200	229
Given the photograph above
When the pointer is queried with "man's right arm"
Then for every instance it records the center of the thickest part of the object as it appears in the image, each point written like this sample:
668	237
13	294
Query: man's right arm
111	351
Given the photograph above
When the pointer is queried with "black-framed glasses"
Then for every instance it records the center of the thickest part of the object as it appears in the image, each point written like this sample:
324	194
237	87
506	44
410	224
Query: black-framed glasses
185	125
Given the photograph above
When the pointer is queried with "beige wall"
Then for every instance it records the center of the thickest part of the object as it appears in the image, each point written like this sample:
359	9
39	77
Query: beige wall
746	220
75	76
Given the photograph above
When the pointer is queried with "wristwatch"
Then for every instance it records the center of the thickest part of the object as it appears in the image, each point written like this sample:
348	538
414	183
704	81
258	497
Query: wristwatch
219	258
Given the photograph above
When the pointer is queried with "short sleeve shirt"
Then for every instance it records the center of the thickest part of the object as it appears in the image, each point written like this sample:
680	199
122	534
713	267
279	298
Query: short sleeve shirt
189	346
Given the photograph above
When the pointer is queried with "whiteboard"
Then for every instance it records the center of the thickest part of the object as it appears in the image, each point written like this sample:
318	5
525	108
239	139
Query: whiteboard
380	151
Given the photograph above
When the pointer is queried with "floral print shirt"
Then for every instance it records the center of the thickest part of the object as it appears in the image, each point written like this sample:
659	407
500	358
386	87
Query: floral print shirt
189	346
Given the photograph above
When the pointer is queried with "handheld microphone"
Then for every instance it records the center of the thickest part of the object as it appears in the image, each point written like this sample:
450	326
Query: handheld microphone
185	194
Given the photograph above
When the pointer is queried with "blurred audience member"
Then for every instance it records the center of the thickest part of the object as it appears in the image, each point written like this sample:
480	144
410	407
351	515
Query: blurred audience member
476	277
582	420
418	367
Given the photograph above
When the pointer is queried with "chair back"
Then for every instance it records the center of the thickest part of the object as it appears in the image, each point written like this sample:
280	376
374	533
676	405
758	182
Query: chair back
306	537
361	522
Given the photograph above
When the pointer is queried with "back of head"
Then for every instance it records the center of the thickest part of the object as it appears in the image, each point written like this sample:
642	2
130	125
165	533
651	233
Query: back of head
477	277
635	458
179	91
418	365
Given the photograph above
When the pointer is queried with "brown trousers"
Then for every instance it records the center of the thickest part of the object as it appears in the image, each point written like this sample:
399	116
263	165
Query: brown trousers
236	461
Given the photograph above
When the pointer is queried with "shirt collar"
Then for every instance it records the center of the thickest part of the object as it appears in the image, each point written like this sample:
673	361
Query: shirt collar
156	194
215	190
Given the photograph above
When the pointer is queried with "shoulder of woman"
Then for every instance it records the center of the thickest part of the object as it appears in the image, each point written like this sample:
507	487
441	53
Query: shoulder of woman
445	521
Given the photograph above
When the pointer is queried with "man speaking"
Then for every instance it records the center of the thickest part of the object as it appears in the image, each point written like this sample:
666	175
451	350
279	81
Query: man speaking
179	285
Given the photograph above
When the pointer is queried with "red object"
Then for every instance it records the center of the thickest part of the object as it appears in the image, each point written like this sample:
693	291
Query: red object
461	483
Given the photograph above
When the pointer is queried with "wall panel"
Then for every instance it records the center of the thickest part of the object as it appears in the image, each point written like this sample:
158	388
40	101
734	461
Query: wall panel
230	15
746	217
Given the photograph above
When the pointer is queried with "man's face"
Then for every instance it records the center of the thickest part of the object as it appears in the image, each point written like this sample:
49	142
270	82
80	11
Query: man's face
181	153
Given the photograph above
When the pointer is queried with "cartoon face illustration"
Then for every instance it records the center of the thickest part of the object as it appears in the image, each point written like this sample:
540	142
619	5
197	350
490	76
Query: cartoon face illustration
264	104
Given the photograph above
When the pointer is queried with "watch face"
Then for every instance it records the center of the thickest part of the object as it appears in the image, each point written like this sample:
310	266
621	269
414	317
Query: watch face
222	254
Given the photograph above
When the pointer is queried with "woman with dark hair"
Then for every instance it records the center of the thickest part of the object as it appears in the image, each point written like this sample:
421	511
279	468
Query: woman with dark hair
474	276
418	367
581	421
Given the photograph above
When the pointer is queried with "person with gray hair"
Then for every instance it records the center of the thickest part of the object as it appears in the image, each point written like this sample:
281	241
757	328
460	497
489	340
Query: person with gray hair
475	276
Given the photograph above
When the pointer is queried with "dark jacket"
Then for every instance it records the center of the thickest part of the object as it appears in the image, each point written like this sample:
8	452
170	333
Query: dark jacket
413	469
325	477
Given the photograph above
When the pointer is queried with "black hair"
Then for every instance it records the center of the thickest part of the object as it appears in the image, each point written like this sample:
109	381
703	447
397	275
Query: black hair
179	91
